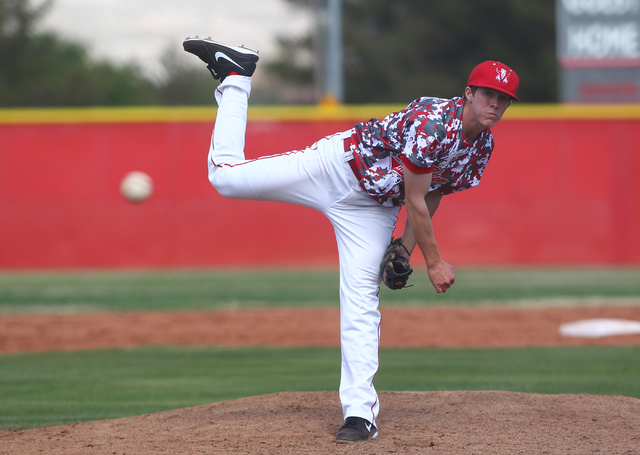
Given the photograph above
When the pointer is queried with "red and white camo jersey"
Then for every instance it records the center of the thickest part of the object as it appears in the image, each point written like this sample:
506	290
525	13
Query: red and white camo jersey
427	137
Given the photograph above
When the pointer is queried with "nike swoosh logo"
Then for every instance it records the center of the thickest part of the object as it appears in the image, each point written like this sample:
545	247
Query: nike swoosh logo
223	55
368	425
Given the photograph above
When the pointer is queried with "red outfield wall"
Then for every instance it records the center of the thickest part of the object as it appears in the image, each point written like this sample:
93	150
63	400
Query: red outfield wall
562	188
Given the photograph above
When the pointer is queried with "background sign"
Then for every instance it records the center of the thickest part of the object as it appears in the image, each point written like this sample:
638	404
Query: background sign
599	50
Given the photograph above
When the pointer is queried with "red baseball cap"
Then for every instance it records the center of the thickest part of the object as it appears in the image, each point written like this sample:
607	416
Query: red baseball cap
495	75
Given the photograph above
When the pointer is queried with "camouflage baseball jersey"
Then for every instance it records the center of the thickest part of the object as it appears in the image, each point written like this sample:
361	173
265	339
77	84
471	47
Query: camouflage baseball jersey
427	137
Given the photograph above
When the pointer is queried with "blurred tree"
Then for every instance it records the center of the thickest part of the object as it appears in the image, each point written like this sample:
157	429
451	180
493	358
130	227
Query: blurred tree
40	69
397	50
184	83
293	71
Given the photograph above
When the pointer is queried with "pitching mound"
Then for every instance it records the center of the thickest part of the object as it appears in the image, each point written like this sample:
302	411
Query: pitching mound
306	423
410	423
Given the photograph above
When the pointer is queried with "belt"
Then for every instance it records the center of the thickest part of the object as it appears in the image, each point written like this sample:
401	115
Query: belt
352	162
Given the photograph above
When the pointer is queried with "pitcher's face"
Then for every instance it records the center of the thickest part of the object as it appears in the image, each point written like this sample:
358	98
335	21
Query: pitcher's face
487	105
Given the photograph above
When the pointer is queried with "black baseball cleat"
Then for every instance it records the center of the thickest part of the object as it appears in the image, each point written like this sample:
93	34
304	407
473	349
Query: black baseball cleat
221	59
356	429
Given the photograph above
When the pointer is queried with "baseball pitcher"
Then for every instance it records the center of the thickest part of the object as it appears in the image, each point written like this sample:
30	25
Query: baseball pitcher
359	179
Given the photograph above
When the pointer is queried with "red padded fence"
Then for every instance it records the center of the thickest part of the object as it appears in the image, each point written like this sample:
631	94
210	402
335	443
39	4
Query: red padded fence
558	191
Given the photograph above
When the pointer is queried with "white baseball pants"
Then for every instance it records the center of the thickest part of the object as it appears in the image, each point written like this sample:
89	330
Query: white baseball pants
318	177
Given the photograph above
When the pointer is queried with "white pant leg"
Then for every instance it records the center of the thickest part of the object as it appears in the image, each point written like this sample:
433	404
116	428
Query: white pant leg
317	177
363	230
227	142
303	177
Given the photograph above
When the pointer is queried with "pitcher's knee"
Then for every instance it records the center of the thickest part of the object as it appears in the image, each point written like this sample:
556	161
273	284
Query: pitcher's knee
225	189
231	188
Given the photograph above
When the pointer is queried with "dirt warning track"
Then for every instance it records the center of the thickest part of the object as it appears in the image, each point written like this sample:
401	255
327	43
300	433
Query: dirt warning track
401	327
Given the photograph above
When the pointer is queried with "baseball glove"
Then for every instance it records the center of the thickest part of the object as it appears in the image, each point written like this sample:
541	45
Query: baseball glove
395	269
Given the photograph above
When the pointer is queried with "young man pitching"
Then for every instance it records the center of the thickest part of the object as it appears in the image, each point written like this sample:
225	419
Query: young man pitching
359	179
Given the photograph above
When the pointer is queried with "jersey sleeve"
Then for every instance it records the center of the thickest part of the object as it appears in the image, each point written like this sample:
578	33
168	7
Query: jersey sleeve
414	167
421	143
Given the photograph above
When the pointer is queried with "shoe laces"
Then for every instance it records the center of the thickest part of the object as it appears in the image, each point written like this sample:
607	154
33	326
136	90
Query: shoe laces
351	422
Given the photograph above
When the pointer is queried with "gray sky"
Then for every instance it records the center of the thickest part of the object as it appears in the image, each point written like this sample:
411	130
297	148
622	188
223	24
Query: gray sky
142	30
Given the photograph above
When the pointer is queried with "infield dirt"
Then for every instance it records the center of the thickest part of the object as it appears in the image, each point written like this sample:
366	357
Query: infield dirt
479	422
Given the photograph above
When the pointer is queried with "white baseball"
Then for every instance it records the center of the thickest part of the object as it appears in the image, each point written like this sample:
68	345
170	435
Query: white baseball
136	186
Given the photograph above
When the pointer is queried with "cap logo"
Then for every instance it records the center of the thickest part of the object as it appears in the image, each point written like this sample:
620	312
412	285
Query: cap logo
503	75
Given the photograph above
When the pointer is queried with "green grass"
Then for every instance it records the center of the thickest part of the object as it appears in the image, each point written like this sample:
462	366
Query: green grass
41	389
57	388
66	387
190	290
551	370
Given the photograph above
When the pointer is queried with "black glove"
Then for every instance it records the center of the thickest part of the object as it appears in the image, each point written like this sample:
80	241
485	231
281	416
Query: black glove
395	269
